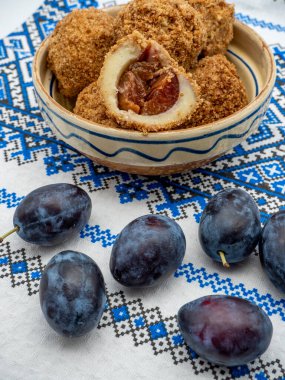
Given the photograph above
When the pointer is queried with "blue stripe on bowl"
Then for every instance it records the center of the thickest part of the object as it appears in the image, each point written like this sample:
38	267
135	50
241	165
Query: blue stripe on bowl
52	82
249	69
146	156
176	149
153	142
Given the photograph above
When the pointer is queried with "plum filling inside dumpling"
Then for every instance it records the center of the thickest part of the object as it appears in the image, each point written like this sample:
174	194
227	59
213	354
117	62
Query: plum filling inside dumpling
143	88
146	87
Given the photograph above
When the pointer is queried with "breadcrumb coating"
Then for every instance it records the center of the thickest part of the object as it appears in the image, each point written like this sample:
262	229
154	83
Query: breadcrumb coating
218	19
89	105
222	91
174	24
77	48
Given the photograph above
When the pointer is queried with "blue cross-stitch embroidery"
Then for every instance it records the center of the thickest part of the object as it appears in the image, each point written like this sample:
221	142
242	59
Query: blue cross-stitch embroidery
257	165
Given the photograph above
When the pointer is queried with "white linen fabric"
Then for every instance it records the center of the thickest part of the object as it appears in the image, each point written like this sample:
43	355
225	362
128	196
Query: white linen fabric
138	337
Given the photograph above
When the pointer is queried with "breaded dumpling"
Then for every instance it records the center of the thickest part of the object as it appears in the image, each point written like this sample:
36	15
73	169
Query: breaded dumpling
89	106
173	24
143	88
222	91
218	19
77	48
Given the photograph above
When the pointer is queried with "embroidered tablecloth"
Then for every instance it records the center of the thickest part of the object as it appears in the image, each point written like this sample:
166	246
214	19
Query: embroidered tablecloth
138	336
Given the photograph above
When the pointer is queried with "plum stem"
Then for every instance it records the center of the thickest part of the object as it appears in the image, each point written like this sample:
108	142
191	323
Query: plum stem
15	229
224	260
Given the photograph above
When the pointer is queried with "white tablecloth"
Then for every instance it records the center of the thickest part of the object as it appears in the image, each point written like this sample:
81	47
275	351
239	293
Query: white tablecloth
138	337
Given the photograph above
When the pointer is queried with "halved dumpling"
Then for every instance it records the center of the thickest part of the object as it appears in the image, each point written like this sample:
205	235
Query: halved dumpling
143	88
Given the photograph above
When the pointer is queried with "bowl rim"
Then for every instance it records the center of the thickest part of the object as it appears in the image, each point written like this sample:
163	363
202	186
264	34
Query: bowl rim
126	133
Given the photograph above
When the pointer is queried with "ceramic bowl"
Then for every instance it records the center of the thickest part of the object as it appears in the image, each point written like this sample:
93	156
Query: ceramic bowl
163	152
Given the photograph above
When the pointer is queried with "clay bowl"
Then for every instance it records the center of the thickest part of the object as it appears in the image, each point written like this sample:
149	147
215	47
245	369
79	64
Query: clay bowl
163	152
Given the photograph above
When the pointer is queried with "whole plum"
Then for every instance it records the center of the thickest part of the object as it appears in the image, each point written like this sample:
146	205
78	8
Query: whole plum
225	330
147	250
52	214
230	227
72	293
272	249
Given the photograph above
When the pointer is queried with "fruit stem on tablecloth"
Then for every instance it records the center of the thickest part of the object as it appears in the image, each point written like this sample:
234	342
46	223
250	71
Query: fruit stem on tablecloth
15	229
224	260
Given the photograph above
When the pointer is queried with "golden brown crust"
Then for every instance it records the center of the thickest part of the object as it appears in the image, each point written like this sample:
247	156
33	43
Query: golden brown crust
218	19
89	106
173	24
77	48
222	91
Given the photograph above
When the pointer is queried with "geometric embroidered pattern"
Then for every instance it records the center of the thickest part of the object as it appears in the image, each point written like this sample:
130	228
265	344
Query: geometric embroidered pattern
148	326
226	286
9	199
145	326
95	234
257	166
24	137
19	269
260	23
